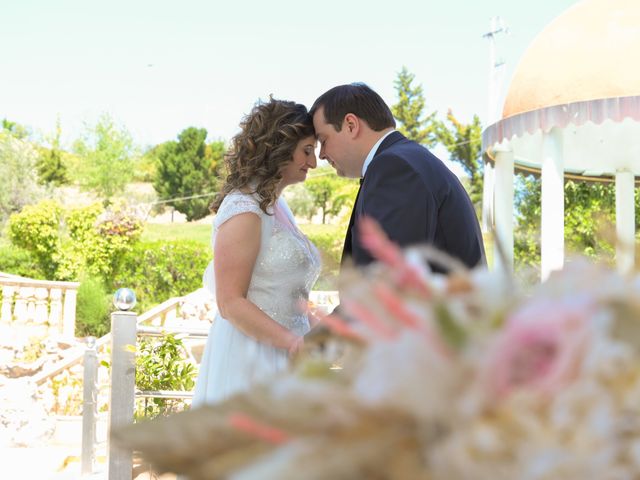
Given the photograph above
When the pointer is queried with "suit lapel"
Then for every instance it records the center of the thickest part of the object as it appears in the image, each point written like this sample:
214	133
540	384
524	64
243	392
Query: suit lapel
346	249
392	138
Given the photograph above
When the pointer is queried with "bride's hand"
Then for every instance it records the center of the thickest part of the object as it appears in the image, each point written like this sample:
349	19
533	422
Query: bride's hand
295	346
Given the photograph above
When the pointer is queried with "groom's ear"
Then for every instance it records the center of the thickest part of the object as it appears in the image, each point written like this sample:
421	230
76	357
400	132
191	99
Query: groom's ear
351	124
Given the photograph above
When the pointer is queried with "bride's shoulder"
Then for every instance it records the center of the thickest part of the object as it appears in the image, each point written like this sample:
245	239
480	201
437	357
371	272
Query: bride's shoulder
235	203
237	197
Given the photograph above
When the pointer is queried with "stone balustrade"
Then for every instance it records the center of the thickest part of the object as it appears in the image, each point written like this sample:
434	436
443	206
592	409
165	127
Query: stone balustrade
40	303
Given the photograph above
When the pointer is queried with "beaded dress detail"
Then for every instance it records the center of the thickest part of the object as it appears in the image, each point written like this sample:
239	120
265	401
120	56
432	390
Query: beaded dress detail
286	269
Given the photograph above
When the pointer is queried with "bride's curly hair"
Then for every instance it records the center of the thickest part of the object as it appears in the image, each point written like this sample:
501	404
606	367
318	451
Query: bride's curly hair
265	144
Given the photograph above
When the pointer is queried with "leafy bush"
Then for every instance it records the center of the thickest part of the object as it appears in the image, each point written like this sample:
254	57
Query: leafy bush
93	309
157	271
37	229
69	243
99	240
161	365
18	261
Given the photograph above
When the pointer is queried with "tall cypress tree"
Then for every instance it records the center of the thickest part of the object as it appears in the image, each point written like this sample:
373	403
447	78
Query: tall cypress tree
409	111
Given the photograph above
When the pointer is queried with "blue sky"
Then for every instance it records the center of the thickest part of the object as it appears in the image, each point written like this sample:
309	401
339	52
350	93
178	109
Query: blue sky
160	66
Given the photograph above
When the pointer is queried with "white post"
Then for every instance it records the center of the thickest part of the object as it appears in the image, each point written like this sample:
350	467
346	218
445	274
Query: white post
30	298
20	306
69	313
55	309
89	407
41	311
7	303
503	210
552	204
625	221
123	341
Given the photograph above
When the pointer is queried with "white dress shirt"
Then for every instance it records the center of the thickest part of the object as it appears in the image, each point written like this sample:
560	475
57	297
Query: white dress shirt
373	151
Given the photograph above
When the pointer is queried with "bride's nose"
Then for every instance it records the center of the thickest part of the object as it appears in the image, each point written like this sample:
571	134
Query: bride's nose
313	161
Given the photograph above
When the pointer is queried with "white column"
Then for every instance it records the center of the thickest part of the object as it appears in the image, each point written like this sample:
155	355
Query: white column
488	198
552	221
625	221
503	208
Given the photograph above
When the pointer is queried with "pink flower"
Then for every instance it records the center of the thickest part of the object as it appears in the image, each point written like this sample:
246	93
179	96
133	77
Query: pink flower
540	347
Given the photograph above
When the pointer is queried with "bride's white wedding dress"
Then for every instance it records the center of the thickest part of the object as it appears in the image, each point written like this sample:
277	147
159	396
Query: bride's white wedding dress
286	268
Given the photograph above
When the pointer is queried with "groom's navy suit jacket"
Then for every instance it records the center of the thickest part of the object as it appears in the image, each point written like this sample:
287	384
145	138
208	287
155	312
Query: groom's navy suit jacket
417	200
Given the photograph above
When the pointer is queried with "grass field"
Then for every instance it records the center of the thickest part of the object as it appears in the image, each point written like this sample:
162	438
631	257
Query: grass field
201	232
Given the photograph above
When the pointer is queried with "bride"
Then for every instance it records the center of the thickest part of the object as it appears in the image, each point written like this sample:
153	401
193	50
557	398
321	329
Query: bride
263	266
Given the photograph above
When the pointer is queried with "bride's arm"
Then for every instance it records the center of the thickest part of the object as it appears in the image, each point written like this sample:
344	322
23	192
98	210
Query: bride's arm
236	249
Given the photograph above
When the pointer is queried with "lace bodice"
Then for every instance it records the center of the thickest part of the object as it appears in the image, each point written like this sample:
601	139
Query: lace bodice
287	265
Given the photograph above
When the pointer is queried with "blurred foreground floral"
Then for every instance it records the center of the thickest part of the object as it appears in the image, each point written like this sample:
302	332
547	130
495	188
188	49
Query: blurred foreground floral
443	378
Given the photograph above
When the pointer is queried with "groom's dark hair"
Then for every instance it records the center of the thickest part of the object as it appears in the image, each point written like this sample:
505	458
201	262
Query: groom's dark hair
356	98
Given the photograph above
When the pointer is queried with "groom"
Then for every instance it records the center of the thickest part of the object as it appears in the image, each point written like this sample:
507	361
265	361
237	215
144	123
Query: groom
413	196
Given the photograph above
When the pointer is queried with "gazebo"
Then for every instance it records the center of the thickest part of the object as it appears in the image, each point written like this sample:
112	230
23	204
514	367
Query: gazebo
572	111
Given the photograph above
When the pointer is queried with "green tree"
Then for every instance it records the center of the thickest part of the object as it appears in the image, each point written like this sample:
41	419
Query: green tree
18	176
526	238
15	129
300	201
51	168
409	111
589	217
187	168
106	151
329	192
464	143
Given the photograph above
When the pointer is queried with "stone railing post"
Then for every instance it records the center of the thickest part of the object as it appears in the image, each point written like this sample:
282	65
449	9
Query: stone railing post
123	344
89	407
69	313
7	302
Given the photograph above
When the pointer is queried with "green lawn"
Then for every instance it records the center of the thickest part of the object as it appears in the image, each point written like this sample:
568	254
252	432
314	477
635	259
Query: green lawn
312	229
199	232
202	232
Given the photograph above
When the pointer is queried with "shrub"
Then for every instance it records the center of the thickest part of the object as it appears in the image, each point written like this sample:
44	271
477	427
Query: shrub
92	309
160	365
157	271
67	244
329	242
37	229
18	261
99	240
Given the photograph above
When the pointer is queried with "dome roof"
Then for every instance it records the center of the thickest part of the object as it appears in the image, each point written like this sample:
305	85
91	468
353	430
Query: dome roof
589	52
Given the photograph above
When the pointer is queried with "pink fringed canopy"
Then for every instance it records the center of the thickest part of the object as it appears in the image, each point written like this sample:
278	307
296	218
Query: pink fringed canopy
580	75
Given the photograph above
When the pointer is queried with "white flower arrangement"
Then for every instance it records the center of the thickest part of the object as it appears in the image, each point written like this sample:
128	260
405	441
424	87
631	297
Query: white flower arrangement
443	378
